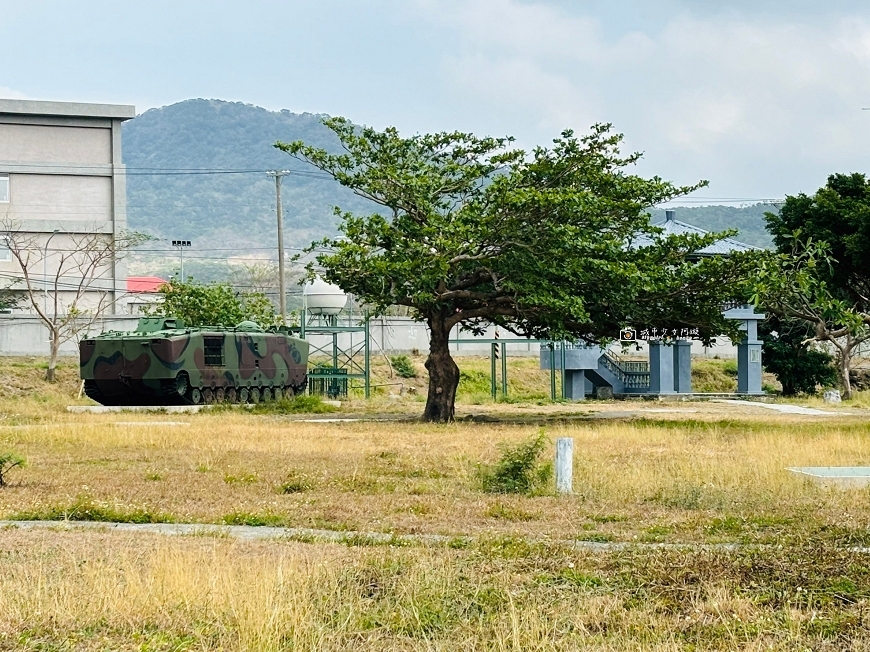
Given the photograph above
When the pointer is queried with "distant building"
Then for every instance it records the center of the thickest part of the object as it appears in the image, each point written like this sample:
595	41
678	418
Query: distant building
672	226
61	177
142	293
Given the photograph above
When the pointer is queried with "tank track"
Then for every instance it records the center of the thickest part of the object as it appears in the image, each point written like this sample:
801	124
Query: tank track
169	395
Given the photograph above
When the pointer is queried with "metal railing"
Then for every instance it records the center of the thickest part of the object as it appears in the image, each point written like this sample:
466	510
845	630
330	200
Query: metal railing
632	373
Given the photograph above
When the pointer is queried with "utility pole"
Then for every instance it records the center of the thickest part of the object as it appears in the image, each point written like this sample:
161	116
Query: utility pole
282	290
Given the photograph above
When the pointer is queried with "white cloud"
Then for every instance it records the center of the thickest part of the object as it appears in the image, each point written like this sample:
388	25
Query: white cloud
759	105
11	94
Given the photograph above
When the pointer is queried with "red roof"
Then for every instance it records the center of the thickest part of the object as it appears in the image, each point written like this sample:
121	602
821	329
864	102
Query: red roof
144	283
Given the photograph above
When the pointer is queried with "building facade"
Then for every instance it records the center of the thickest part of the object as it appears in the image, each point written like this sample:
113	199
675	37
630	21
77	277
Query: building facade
62	182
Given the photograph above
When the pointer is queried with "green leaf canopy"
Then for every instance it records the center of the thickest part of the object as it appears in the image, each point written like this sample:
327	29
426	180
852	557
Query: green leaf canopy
545	244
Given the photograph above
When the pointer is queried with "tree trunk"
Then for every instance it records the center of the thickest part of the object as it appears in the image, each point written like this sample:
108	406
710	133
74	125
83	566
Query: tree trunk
52	358
845	364
443	373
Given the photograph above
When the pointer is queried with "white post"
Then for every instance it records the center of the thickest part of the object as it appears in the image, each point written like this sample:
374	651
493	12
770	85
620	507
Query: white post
564	465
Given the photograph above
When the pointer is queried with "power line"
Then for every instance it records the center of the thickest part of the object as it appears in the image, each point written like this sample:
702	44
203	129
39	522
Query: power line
158	171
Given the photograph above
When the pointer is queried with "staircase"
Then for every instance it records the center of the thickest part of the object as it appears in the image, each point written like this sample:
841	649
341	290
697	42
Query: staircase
623	376
602	368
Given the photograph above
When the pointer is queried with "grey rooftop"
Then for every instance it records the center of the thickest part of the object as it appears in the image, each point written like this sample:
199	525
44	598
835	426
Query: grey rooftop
67	109
722	247
671	226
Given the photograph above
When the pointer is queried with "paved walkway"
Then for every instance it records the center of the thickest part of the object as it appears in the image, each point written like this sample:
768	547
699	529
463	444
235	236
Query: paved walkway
310	535
785	408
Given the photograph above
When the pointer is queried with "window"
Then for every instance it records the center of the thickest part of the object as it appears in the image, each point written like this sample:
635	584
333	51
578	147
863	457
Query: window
5	254
4	188
214	350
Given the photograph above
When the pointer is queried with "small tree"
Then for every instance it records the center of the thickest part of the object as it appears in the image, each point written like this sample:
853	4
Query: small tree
215	304
70	294
555	243
794	287
822	276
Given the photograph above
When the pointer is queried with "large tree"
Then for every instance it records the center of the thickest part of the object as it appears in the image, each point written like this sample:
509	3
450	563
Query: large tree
555	243
822	274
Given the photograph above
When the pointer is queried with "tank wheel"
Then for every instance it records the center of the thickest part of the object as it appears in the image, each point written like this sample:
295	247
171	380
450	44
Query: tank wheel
232	395
267	395
195	396
255	395
182	383
208	396
244	395
220	395
289	393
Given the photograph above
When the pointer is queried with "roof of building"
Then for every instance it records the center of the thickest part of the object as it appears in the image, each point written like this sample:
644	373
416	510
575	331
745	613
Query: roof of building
670	226
67	109
144	283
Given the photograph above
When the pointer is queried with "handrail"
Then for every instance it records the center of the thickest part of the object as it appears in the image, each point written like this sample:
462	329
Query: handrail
631	373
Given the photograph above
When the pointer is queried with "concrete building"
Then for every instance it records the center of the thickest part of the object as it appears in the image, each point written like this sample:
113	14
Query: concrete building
61	179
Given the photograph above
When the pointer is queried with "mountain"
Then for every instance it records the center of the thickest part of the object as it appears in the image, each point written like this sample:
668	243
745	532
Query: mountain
216	192
196	171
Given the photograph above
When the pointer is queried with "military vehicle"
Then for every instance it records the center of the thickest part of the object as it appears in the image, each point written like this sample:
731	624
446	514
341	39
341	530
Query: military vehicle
163	362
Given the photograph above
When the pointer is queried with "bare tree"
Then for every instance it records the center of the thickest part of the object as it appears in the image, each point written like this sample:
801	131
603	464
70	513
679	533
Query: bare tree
72	294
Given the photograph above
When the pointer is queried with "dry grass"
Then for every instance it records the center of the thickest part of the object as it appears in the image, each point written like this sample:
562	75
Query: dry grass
697	472
89	591
646	472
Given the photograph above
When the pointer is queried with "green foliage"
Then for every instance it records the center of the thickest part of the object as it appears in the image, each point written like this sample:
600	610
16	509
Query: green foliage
215	304
820	274
254	519
838	214
87	509
473	230
403	366
518	471
9	461
787	354
553	243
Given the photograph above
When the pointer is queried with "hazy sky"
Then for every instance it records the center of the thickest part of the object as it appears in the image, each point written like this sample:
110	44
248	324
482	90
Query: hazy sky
762	98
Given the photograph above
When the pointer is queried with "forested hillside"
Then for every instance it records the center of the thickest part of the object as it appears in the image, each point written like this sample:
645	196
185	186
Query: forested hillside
216	192
196	171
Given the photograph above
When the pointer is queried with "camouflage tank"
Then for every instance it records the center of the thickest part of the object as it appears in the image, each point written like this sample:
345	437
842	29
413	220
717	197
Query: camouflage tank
164	363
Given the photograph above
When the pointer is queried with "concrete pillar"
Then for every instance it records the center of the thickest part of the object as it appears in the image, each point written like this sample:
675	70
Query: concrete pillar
661	368
564	465
683	367
748	351
575	384
749	361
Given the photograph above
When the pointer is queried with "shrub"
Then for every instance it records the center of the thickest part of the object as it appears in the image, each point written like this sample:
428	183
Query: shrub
403	366
786	353
9	461
518	471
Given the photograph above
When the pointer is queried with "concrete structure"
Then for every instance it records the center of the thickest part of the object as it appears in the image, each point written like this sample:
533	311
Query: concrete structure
748	351
61	178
